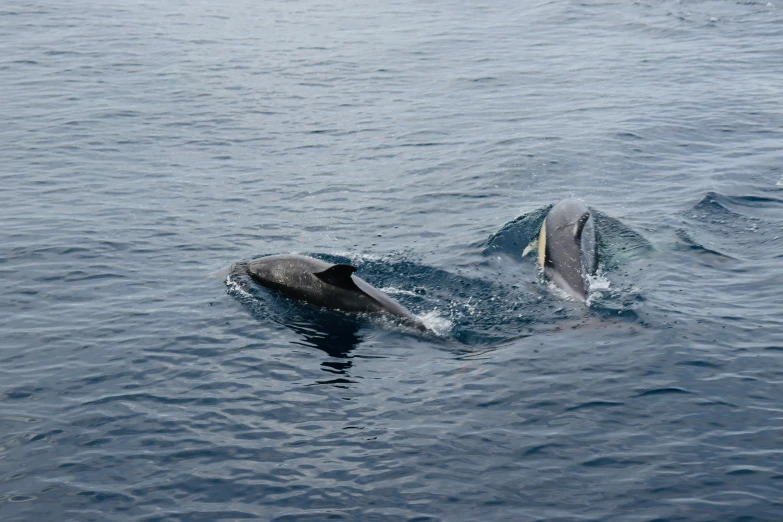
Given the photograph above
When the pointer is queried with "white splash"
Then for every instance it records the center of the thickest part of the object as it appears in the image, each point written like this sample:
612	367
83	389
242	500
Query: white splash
397	291
598	284
237	287
437	324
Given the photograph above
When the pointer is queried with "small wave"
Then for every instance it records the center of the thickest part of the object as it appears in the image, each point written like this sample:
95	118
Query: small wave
662	391
733	227
515	235
689	244
594	404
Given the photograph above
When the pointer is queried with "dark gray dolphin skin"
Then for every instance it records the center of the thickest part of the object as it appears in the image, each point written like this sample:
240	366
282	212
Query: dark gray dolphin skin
328	285
567	247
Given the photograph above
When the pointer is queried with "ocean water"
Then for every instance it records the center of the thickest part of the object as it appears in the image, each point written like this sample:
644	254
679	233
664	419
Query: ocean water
146	146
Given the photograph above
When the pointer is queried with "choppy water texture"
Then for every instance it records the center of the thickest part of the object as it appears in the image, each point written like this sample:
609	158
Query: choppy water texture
147	146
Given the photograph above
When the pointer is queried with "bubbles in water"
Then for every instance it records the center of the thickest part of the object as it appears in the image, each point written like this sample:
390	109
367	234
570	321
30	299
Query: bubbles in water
470	307
557	291
439	325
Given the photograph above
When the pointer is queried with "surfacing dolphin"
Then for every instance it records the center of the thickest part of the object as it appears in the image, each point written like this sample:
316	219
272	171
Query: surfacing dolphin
567	252
327	285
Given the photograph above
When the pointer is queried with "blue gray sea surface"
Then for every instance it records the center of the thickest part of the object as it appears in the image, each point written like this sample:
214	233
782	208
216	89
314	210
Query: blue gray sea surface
146	146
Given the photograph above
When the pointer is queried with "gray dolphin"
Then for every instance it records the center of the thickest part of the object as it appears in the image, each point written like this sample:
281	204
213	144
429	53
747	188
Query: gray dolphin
567	251
328	285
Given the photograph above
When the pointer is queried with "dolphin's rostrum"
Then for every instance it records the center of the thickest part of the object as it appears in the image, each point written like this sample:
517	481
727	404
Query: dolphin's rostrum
567	247
327	285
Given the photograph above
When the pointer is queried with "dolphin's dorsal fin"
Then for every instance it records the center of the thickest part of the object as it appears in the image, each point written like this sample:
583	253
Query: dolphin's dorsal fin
338	275
579	226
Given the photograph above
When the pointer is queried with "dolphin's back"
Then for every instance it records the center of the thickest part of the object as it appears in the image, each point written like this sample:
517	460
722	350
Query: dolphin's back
325	284
570	246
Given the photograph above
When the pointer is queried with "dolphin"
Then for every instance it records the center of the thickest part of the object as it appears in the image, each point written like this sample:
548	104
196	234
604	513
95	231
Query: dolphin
567	247
327	285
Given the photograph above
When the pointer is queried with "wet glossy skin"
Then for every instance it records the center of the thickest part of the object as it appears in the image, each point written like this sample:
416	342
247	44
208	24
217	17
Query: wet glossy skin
295	276
568	244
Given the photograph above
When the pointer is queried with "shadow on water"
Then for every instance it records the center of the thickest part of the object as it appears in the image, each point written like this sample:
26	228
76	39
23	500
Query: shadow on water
335	334
331	333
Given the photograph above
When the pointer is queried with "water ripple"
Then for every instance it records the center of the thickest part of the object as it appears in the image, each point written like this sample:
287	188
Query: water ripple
146	149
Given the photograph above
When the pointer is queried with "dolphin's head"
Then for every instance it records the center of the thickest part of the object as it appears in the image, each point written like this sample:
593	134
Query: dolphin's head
277	271
262	270
567	246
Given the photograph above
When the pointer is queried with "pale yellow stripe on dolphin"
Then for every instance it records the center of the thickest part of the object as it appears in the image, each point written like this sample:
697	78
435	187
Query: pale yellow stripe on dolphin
538	244
542	247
